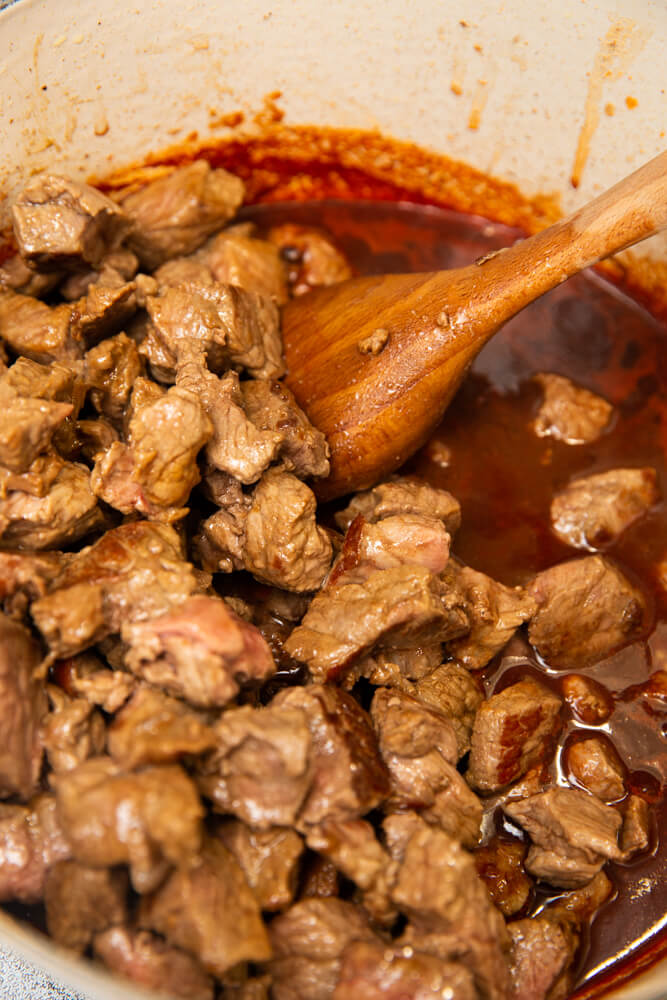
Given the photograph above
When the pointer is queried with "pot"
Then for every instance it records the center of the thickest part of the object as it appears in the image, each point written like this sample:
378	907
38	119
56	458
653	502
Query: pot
559	100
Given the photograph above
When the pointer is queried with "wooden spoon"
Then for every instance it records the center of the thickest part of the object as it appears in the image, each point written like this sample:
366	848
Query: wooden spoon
378	409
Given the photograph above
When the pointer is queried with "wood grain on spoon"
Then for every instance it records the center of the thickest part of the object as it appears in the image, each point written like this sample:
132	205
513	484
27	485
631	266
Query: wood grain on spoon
378	409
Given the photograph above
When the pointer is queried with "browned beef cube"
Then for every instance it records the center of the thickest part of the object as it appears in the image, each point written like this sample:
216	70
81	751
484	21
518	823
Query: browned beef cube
272	407
402	495
221	538
395	667
148	960
397	607
595	765
202	652
269	860
86	676
209	910
572	833
40	332
588	699
24	577
511	734
593	510
175	214
72	731
149	820
586	609
24	704
569	412
111	370
284	545
636	829
308	943
348	775
31	840
372	971
56	381
80	902
37	479
454	692
542	950
184	322
499	864
312	258
153	728
16	275
399	540
27	427
236	257
495	612
252	330
103	311
261	769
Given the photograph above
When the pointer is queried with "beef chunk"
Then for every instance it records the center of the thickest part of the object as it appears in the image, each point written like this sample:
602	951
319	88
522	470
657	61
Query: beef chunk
453	691
372	971
175	214
27	427
38	331
394	667
272	407
185	322
237	446
72	731
594	765
308	942
153	728
586	609
62	223
269	860
219	544
402	495
348	776
57	383
400	540
570	413
499	864
236	257
36	481
80	902
65	514
593	510
395	607
495	612
312	258
24	704
87	677
25	577
283	544
511	734
95	437
541	951
31	840
102	311
588	699
572	834
134	572
261	768
148	820
111	370
208	909
16	275
418	745
148	960
635	832
203	652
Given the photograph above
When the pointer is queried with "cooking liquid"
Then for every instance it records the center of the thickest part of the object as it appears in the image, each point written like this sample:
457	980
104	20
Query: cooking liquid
504	475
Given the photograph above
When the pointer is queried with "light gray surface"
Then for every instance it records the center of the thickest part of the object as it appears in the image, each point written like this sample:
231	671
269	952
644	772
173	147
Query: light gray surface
20	981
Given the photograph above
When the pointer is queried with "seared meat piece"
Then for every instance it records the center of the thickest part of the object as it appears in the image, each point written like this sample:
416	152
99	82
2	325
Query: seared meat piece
402	495
311	257
635	832
237	445
65	514
153	728
219	544
185	271
80	902
175	214
111	370
272	407
25	577
495	613
71	732
87	677
95	437
61	223
511	734
589	700
202	652
348	776
371	970
103	311
56	381
185	323
418	745
308	943
261	768
593	510
37	480
38	331
499	864
16	275
395	667
27	427
31	840
236	257
148	820
450	911
572	834
542	950
252	327
209	910
396	607
148	960
284	545
570	413
400	540
269	860
586	609
24	704
595	765
455	693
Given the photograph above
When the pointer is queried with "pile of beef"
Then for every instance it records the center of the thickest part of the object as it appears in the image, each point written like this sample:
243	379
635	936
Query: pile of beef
182	812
